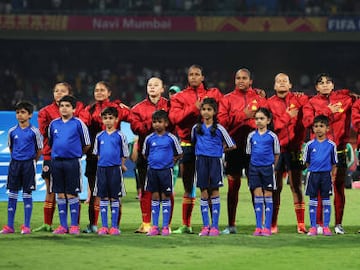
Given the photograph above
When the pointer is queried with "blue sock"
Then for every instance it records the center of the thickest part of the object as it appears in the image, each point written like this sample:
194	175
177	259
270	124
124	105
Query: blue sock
258	208
313	203
74	211
215	207
204	208
62	207
269	206
12	202
166	209
327	211
155	210
104	212
115	206
28	206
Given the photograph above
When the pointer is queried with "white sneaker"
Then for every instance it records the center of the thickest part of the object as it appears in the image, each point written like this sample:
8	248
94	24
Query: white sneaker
339	229
319	229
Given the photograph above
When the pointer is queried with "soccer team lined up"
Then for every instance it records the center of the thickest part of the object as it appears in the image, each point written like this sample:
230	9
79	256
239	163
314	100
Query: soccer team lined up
207	133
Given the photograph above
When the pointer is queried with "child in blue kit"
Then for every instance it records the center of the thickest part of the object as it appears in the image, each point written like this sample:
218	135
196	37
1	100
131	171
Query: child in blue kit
320	157
162	150
264	148
209	139
111	147
69	140
25	144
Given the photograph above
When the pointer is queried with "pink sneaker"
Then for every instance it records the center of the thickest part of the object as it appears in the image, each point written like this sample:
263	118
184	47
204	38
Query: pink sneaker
327	231
154	230
25	230
257	232
266	232
74	230
312	231
204	231
6	230
114	231
165	231
214	232
103	231
60	230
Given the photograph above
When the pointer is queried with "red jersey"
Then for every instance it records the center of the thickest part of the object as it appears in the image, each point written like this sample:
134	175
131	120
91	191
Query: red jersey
95	123
183	112
232	116
339	122
290	131
51	112
355	114
141	117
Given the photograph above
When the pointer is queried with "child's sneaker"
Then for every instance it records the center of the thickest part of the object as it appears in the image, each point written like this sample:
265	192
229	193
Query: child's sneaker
204	231
274	229
266	232
103	231
153	231
60	230
327	231
114	231
25	230
312	231
257	232
301	229
165	231
74	230
6	230
43	228
339	229
214	232
229	230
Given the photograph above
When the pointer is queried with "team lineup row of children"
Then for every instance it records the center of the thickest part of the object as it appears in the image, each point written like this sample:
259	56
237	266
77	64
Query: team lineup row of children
193	114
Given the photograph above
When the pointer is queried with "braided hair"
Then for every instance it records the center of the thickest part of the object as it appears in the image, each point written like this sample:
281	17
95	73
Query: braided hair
212	103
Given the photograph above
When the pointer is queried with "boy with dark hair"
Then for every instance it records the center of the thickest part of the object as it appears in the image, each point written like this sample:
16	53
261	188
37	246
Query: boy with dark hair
111	147
25	144
321	158
69	140
162	150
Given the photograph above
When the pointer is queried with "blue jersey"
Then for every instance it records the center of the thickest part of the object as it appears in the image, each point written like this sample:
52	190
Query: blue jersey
110	148
24	142
320	156
160	150
67	139
209	145
262	148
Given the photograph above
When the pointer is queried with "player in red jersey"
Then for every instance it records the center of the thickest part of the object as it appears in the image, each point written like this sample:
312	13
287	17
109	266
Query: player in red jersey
45	116
336	105
236	114
184	112
286	108
102	93
141	124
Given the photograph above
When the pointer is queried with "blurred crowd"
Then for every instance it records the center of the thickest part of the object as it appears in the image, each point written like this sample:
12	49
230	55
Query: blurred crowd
183	7
29	69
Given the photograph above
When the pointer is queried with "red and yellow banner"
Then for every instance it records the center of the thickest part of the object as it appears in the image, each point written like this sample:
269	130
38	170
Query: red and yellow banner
152	23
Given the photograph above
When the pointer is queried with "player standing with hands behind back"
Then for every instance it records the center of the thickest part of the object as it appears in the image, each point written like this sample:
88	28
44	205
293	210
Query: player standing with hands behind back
184	111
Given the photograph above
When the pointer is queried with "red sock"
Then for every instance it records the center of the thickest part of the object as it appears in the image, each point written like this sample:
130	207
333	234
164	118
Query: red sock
119	217
187	207
232	200
96	213
79	213
49	209
300	212
172	207
319	212
145	204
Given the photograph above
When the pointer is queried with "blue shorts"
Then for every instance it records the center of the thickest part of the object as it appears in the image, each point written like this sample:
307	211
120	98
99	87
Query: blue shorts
21	175
66	176
289	161
109	182
209	172
159	181
235	161
263	177
188	154
46	169
318	181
